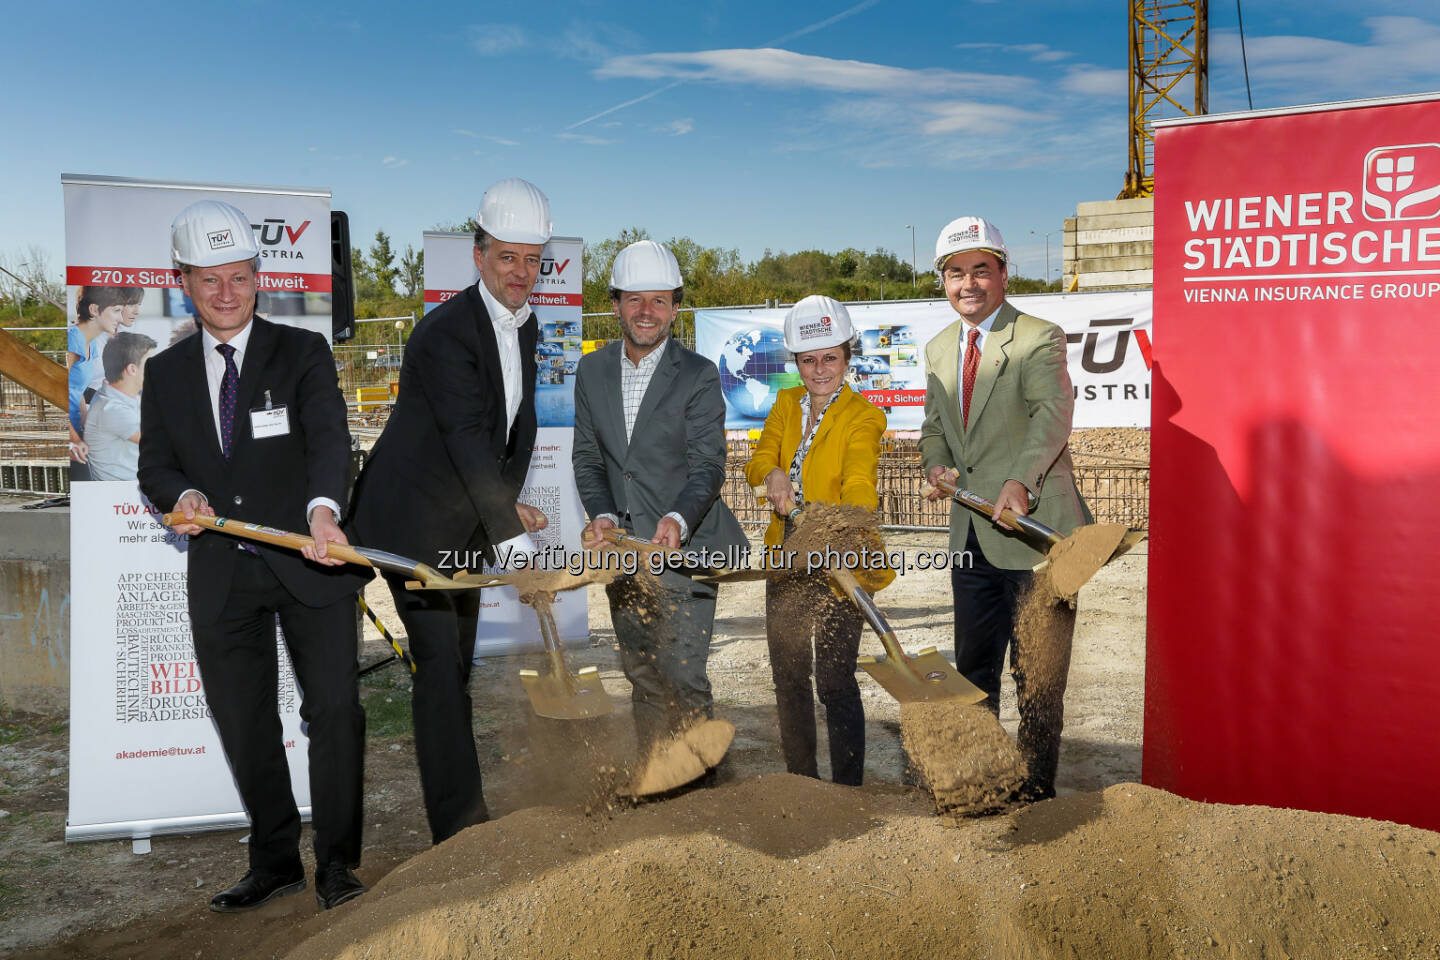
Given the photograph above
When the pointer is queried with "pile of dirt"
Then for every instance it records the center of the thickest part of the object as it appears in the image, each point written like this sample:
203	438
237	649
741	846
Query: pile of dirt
787	866
1112	443
834	528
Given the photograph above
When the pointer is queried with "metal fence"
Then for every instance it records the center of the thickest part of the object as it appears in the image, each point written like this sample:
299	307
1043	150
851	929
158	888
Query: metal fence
1117	491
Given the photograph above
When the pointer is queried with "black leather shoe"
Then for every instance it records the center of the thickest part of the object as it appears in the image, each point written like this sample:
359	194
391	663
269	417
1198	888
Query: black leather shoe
335	883
257	887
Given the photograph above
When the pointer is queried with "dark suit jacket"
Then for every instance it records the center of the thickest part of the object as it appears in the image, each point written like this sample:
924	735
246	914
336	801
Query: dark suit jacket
675	460
445	475
267	481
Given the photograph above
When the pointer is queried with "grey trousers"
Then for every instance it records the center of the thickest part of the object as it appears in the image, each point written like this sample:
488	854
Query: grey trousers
664	635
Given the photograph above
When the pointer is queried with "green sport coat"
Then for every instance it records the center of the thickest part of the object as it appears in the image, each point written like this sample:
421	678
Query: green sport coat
1019	429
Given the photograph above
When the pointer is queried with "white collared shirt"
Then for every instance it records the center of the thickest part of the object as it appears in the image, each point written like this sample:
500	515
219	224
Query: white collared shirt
507	338
635	380
985	326
215	374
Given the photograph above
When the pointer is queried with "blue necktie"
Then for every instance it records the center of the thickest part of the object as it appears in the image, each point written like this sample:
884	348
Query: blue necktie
229	386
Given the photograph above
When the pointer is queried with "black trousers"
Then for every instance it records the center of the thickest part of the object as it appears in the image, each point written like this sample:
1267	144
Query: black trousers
240	668
808	628
440	628
986	602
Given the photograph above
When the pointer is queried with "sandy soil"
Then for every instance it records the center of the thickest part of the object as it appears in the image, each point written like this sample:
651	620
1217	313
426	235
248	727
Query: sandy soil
764	862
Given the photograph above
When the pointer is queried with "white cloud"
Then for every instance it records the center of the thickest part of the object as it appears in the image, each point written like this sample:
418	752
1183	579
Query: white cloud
464	133
1401	55
393	163
585	138
503	142
493	39
784	68
1038	52
594	42
678	128
1093	81
983	119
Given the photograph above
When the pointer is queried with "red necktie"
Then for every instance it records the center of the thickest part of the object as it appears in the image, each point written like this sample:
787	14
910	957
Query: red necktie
972	367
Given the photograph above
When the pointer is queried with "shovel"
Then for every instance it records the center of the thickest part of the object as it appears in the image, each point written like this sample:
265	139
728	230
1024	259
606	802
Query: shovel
426	577
925	676
1070	561
558	693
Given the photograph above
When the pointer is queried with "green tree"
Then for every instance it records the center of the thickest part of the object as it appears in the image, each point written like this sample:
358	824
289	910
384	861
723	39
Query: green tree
382	262
412	270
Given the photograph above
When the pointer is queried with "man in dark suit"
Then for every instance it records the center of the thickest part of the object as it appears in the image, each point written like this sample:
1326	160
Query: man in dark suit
442	481
649	455
246	415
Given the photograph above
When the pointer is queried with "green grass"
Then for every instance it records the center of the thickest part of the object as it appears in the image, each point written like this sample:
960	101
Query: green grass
385	695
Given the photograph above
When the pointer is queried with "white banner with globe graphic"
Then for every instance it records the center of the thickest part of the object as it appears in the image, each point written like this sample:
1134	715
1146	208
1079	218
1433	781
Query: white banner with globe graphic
1109	355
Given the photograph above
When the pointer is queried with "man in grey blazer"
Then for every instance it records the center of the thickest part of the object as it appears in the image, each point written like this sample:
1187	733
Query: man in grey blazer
998	407
649	456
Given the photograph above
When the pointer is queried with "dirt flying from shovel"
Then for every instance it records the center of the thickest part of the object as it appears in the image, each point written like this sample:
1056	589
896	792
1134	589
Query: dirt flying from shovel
964	757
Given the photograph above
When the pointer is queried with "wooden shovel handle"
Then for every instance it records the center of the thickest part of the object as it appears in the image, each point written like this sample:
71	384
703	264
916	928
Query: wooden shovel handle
628	541
270	535
986	508
762	497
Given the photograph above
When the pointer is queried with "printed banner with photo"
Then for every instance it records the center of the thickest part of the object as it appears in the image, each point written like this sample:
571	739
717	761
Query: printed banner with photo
507	625
145	758
1109	355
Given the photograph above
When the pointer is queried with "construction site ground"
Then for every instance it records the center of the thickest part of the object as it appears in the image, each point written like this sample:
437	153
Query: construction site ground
763	863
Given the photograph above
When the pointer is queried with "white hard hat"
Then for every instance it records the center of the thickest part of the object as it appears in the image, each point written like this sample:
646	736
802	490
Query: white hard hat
817	322
645	265
969	233
208	233
515	211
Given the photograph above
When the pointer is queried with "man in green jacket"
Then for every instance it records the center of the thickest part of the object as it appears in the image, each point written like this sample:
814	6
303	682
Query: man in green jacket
998	408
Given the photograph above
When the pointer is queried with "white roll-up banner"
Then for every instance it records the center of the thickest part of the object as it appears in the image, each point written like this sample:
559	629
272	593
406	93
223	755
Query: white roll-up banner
145	757
507	625
1109	355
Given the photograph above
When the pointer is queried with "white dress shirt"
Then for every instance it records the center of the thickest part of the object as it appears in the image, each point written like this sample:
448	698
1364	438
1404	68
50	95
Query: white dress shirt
507	339
506	325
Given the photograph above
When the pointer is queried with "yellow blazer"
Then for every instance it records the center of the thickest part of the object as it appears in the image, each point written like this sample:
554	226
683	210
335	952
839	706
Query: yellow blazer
841	464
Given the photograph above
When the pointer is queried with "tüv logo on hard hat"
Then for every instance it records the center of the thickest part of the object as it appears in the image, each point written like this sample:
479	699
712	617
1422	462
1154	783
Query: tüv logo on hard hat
220	239
1403	182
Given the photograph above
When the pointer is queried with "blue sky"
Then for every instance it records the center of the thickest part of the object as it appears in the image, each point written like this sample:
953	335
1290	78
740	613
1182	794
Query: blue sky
742	124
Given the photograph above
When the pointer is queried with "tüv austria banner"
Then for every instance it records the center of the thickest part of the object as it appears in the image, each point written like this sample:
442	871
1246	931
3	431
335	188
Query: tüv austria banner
145	758
1109	355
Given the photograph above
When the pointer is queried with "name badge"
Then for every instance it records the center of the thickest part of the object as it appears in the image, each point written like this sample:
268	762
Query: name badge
269	422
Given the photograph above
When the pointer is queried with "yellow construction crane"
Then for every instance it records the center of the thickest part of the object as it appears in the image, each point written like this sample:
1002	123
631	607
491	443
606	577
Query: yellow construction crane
1169	77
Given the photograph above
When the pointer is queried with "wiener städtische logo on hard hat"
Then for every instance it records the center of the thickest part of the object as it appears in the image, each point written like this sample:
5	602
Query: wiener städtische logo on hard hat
971	232
815	328
1402	182
220	239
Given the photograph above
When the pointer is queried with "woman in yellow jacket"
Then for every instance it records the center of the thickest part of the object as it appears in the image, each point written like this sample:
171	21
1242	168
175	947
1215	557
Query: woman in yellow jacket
820	444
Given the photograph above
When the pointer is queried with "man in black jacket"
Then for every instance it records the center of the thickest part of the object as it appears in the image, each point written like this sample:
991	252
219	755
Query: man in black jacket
442	481
246	415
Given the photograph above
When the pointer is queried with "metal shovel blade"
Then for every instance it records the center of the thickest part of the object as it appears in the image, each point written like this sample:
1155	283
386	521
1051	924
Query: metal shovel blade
560	694
1073	561
925	676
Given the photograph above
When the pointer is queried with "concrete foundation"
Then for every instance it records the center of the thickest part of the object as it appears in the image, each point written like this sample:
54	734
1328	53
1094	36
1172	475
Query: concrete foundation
1109	245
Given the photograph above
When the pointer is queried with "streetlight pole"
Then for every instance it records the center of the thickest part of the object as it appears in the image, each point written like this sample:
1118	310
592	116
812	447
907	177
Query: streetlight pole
882	286
914	274
1047	252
